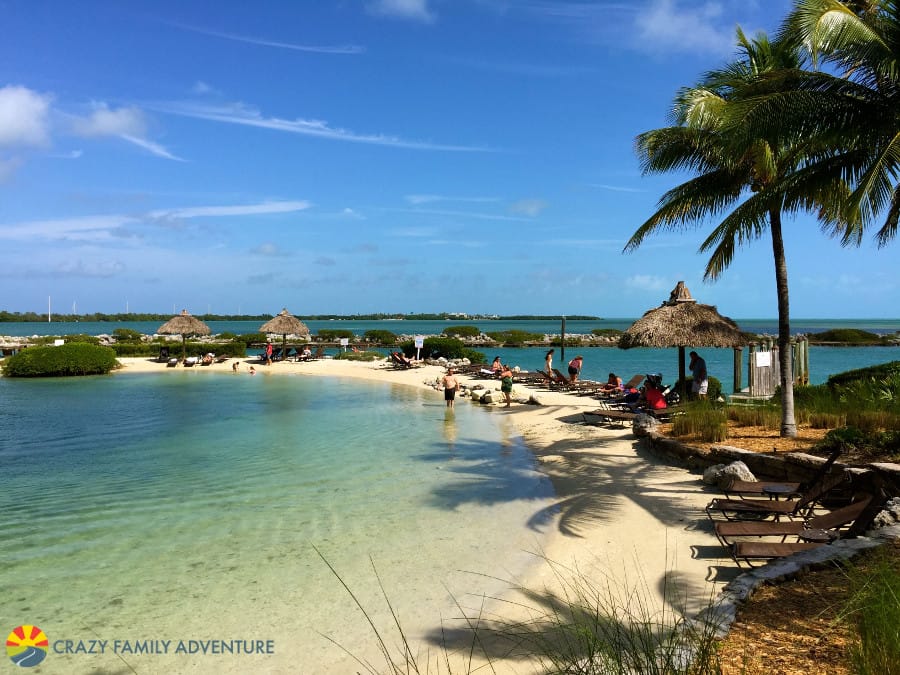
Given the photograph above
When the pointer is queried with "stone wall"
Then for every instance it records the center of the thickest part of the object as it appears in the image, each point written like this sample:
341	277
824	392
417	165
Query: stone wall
782	466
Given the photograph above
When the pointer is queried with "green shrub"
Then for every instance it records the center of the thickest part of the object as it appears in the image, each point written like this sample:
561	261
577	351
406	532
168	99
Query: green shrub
333	334
127	335
380	337
250	338
861	441
449	348
515	338
606	332
849	336
713	391
74	358
359	356
462	331
135	349
883	370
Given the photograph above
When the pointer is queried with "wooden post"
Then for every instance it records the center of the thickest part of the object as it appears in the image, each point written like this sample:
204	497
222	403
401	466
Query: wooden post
738	351
751	380
681	374
562	349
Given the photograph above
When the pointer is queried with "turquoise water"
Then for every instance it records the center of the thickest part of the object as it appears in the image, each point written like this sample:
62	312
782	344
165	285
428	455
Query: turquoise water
186	506
761	326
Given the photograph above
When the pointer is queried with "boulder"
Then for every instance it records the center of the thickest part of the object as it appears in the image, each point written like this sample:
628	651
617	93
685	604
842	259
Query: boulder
487	396
721	475
644	424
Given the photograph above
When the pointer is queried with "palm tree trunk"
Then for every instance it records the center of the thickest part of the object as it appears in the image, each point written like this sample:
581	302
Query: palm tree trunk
788	425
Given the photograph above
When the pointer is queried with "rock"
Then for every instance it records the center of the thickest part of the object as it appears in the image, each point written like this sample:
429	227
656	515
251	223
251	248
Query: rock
487	396
721	475
644	424
533	400
889	515
712	473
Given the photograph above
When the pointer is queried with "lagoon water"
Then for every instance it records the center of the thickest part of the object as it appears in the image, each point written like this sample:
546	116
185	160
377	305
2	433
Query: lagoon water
177	506
174	506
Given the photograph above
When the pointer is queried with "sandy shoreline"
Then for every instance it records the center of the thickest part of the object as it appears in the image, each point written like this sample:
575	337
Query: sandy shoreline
624	518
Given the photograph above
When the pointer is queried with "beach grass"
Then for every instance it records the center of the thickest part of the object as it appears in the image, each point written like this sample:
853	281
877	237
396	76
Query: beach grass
589	624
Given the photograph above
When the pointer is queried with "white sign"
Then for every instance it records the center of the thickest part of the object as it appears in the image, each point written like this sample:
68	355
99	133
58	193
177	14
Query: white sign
763	359
345	342
420	341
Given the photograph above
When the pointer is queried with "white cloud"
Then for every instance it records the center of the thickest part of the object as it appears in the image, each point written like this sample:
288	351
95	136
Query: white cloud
111	227
427	199
614	188
241	114
666	27
416	10
104	121
151	147
23	117
86	228
263	42
127	124
239	210
528	207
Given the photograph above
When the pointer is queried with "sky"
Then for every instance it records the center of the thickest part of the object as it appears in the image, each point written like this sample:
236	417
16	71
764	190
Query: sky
357	156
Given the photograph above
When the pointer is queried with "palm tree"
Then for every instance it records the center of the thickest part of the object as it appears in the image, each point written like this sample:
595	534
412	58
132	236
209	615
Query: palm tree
757	178
853	109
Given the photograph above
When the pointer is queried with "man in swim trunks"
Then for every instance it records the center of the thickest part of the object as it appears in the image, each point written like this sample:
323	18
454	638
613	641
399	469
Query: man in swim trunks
451	384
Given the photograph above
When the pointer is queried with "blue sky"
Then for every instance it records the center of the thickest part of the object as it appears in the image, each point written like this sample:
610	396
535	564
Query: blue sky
371	155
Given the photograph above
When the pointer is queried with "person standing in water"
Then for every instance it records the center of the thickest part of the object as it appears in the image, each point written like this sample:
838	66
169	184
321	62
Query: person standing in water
451	384
506	384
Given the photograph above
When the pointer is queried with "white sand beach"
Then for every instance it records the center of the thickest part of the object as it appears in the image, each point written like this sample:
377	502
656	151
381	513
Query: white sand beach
625	519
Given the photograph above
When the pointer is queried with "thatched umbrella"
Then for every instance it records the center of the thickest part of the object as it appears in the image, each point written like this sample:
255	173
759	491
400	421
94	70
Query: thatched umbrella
184	324
682	322
283	324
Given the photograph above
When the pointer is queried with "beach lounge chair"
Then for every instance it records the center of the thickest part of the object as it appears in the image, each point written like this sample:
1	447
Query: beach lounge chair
163	355
729	532
609	414
222	358
399	360
761	488
811	538
172	362
743	509
191	361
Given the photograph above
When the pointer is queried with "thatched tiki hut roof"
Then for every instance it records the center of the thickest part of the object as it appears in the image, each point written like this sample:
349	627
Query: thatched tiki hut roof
285	324
183	324
682	322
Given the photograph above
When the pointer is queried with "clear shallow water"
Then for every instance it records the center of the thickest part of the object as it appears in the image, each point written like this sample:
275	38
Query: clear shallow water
186	506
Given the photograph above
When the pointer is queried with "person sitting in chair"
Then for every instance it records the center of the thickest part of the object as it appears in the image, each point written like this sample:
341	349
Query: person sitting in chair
613	384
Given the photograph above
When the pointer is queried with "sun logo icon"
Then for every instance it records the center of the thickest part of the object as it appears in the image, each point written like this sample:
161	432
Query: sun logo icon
27	645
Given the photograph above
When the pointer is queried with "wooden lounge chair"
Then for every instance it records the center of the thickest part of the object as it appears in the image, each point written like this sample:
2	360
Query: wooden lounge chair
750	551
171	363
729	531
609	414
743	509
399	360
742	488
552	381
